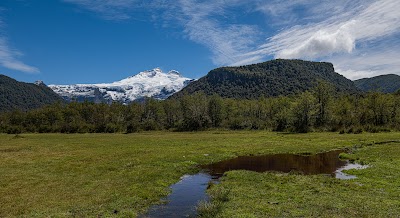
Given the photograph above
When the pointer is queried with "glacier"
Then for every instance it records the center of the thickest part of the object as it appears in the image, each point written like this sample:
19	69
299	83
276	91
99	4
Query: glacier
151	83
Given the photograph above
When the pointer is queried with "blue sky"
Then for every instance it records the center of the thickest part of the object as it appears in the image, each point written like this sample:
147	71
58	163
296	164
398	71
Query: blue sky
92	41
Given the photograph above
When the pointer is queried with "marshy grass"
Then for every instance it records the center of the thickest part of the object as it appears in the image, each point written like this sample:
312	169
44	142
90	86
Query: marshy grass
93	175
209	209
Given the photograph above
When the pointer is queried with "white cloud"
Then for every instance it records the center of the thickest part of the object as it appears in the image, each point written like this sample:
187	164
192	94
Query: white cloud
8	59
322	43
341	31
371	61
337	34
9	56
346	37
202	22
321	30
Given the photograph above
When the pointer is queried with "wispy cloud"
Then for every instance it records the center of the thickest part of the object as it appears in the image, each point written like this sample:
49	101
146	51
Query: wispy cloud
380	58
9	56
346	36
202	24
338	33
297	12
108	9
343	31
335	35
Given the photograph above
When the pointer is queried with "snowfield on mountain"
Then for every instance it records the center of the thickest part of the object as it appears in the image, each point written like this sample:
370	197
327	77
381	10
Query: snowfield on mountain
152	83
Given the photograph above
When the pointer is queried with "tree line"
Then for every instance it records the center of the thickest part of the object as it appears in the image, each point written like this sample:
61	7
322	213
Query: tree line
319	109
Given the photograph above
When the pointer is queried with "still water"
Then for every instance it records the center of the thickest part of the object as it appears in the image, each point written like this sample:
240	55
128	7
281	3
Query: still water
185	195
191	189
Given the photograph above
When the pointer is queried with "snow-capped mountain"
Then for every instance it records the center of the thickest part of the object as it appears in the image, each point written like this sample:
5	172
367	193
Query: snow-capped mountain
152	83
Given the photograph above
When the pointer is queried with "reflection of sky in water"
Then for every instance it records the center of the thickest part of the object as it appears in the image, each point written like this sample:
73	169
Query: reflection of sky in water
339	174
184	198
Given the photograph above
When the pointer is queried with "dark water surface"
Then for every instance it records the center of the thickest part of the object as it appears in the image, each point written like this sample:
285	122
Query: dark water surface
322	163
191	189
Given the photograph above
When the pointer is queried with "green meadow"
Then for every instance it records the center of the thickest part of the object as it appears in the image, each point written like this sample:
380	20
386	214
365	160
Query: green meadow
81	175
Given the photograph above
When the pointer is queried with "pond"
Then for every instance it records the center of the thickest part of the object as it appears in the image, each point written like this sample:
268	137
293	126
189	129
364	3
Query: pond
192	188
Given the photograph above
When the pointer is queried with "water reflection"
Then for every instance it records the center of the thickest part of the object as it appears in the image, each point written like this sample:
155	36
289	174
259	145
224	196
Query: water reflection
339	174
191	189
184	198
322	163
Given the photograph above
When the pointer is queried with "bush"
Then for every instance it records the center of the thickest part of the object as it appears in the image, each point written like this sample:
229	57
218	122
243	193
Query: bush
132	127
14	130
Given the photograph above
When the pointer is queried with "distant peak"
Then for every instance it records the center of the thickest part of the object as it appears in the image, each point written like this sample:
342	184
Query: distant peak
157	69
174	72
39	83
151	73
157	72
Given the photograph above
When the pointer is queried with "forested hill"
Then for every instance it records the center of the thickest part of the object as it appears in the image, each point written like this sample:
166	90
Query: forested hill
385	83
271	78
24	96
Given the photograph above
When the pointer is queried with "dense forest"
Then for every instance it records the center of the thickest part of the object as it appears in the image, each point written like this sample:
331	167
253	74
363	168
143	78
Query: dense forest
315	110
24	96
271	78
384	83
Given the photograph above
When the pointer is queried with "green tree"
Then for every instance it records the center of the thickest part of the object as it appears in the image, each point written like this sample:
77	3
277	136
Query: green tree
343	113
395	111
173	113
134	116
379	107
215	110
153	115
303	111
195	112
323	94
281	115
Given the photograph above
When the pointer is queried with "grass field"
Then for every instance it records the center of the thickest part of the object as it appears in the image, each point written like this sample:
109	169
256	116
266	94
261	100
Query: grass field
58	175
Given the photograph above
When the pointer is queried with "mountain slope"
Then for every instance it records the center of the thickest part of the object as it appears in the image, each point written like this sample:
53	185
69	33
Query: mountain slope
385	83
271	78
24	96
153	83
